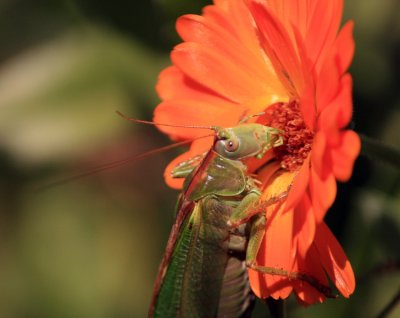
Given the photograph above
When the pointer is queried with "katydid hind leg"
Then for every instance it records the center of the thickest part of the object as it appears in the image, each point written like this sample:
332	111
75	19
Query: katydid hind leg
311	280
245	209
257	233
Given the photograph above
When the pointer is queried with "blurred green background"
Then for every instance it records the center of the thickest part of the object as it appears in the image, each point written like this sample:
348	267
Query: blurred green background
91	248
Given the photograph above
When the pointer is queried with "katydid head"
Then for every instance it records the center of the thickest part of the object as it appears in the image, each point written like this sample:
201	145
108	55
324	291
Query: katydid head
246	140
239	142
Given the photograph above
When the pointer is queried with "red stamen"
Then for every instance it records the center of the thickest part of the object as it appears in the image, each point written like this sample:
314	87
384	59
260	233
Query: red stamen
298	138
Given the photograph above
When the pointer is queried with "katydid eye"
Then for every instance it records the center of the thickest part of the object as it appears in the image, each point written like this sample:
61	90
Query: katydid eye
231	145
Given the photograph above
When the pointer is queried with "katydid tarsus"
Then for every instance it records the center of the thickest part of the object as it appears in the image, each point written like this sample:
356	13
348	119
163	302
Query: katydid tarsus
219	227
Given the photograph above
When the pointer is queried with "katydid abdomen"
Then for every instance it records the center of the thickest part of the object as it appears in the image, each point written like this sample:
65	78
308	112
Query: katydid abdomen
205	277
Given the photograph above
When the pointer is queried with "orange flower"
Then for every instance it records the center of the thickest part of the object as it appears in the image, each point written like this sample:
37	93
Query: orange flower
286	58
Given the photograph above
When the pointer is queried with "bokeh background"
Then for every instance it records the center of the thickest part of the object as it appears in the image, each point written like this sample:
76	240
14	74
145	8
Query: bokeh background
91	248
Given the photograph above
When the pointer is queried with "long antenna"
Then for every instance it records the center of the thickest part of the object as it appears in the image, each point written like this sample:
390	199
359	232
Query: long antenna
117	163
168	125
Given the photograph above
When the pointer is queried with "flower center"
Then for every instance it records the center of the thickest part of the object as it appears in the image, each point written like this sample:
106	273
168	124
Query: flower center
297	137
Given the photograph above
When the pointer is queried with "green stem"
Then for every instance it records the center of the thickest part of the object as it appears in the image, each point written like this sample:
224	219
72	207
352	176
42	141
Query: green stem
277	308
390	306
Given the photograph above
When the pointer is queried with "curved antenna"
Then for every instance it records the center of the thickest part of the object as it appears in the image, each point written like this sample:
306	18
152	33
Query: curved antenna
117	163
246	118
168	125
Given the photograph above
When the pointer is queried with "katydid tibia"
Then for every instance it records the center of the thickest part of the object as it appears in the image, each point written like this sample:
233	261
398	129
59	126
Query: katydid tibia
218	230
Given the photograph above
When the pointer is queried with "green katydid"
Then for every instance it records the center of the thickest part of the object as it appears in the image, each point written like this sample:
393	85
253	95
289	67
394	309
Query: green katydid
218	230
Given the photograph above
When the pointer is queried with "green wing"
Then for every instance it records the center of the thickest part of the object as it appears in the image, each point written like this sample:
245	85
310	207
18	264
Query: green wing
192	283
216	175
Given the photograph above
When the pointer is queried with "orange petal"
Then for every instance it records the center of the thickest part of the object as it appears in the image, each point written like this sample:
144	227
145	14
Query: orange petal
173	84
292	12
194	28
276	252
306	294
222	3
278	46
243	22
299	185
304	226
318	153
307	106
225	76
327	83
323	193
317	22
324	20
344	156
267	171
307	96
344	46
193	112
334	260
345	100
338	113
218	14
266	285
310	265
279	184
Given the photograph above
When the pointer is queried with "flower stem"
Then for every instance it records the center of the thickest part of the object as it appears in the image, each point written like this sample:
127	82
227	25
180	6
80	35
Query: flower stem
376	149
277	308
390	306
